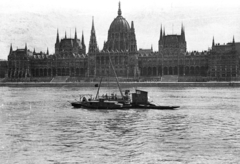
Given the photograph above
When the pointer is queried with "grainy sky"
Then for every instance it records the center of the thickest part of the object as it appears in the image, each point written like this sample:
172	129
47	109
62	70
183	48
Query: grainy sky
36	22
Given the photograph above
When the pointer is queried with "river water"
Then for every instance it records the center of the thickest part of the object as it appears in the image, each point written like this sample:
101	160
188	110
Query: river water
38	125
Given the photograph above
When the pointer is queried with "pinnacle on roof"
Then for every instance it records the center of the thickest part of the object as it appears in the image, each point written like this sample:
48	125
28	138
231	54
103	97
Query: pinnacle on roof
57	39
93	28
11	48
182	29
213	42
132	25
119	9
75	34
183	32
161	32
83	39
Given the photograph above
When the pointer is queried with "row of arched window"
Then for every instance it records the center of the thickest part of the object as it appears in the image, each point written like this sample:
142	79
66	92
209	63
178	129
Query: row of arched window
58	72
181	70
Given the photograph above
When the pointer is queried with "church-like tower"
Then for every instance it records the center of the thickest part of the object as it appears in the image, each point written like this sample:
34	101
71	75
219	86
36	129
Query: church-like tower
93	40
171	50
172	41
70	45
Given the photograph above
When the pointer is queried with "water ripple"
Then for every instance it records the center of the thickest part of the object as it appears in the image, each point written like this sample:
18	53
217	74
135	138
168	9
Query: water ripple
37	125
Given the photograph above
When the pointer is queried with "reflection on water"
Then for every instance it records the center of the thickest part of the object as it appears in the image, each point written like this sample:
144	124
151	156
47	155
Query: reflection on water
37	125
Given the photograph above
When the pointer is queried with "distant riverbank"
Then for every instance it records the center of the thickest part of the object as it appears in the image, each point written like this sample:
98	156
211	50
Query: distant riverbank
123	84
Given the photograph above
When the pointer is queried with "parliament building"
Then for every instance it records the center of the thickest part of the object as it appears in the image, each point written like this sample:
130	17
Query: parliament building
172	61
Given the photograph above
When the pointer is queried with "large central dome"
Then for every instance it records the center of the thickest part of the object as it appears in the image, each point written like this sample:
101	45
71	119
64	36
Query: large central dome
119	23
120	36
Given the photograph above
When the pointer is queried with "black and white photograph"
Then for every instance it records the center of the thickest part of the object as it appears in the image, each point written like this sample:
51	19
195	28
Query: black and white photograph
119	82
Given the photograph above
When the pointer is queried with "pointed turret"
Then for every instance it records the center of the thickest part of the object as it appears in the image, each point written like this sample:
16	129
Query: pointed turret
160	33
47	52
182	29
57	39
151	48
75	34
104	43
183	33
34	51
213	42
163	36
25	46
65	35
132	25
233	40
10	49
83	44
119	9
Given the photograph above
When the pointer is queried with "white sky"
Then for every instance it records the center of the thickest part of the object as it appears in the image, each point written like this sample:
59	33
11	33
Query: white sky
36	22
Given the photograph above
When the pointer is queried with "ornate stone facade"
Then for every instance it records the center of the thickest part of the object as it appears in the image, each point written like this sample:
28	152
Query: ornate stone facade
171	59
70	59
224	62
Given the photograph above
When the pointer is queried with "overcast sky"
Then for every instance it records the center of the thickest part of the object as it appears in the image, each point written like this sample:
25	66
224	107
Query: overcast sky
36	22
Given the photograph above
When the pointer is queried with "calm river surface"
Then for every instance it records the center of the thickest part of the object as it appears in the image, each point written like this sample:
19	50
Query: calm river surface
38	125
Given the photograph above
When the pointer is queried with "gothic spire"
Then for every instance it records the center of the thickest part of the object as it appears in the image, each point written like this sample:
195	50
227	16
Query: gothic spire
93	28
233	40
57	40
119	9
93	40
34	51
65	35
47	52
183	33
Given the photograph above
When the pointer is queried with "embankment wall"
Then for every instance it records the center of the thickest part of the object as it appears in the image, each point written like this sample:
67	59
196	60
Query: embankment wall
123	84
